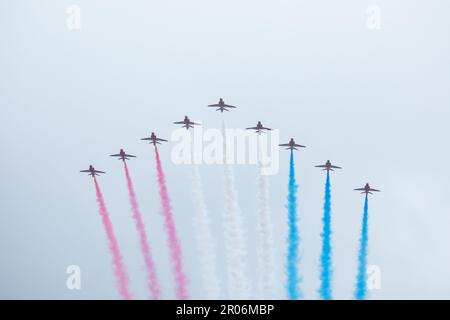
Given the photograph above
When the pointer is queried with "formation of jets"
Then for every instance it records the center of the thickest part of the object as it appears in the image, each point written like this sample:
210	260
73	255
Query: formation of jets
259	128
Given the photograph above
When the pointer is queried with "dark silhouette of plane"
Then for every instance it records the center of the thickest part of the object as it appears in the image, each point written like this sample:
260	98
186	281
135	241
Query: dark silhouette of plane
221	106
367	189
259	128
291	145
186	123
122	155
328	166
153	139
92	172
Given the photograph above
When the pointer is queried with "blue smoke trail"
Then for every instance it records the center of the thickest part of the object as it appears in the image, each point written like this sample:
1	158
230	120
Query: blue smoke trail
361	289
325	258
293	278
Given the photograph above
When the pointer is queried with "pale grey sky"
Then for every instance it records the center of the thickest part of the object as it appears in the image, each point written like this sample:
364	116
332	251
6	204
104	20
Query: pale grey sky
374	102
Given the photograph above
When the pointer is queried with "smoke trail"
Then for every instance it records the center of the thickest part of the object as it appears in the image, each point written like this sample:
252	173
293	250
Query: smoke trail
204	238
266	276
152	280
174	246
119	267
361	289
293	278
325	258
236	253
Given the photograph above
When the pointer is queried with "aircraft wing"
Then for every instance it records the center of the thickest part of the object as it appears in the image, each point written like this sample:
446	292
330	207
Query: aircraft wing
85	171
264	128
335	167
299	145
321	166
129	155
196	123
228	106
98	171
284	145
213	105
114	155
179	122
147	139
159	139
360	189
252	128
374	190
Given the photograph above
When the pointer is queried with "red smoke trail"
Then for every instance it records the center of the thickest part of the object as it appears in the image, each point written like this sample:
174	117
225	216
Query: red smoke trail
119	267
174	246
153	284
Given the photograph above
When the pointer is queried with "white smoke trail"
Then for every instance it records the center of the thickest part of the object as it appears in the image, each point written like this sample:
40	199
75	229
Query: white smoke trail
204	239
265	245
236	253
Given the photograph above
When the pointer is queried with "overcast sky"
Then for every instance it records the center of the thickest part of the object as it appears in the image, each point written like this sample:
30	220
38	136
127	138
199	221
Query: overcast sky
375	102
